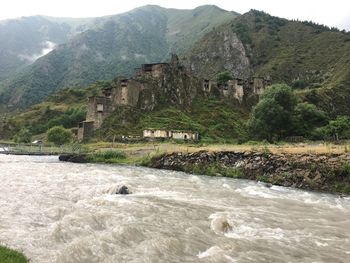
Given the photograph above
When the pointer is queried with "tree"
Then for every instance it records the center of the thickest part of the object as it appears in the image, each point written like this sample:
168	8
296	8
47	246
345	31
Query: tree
338	128
59	135
307	118
282	94
272	117
23	136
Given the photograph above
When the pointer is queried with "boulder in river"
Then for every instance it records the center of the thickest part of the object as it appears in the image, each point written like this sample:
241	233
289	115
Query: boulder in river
123	190
74	158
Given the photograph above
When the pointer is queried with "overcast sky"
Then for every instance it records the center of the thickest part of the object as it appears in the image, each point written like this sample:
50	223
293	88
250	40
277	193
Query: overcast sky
328	12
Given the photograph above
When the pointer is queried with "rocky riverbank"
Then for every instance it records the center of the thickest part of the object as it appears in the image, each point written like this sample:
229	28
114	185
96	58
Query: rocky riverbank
329	173
317	172
73	158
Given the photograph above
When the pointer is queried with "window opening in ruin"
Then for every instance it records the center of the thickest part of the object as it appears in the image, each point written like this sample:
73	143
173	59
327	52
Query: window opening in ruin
100	107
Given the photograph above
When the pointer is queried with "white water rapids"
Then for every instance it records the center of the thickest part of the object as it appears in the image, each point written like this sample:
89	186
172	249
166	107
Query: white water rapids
65	212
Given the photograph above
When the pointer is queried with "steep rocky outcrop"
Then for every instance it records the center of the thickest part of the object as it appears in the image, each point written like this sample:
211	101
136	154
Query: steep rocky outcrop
219	50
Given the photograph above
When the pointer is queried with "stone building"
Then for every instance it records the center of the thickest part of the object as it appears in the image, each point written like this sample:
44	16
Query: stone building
162	84
126	92
259	84
85	130
155	83
155	70
207	85
150	134
185	135
98	109
239	89
156	134
233	89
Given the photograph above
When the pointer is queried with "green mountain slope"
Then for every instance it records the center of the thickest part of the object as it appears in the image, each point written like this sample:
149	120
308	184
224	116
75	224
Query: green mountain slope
25	39
113	46
309	57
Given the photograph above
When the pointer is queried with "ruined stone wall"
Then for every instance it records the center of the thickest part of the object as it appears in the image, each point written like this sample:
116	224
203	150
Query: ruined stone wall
85	130
158	70
258	86
126	95
156	134
174	86
248	90
98	109
178	87
181	135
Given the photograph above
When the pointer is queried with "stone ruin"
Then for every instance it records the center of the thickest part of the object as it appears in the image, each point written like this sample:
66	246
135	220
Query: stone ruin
166	83
237	88
154	134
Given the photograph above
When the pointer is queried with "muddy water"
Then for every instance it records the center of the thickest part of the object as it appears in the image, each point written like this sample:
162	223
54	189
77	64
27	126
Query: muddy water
63	212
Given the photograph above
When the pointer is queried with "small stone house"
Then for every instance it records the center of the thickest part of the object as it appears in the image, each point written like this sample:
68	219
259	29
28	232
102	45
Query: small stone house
168	134
185	135
156	134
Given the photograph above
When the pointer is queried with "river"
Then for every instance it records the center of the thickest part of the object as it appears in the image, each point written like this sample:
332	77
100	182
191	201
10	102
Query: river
65	212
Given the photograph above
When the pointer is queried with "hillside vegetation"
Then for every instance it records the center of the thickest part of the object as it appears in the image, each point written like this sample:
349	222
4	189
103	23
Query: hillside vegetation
112	46
66	108
313	59
214	119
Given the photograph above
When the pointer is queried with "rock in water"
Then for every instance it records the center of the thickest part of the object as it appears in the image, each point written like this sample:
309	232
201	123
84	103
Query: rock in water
74	158
123	190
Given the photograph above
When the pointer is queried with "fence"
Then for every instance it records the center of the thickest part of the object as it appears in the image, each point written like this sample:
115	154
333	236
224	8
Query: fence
39	149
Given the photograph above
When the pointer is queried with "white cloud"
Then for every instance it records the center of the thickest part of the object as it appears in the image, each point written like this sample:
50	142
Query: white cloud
48	46
331	13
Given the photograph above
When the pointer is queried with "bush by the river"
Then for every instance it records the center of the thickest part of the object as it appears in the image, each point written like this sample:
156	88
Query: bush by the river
59	135
11	256
279	114
23	136
110	156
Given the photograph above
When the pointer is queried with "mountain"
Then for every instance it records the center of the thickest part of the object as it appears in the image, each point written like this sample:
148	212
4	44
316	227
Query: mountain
313	59
112	46
24	40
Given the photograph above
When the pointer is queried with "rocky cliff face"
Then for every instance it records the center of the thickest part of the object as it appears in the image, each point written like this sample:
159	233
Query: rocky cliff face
174	86
219	50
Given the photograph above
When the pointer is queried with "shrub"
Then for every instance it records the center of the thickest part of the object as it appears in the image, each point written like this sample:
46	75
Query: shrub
110	156
59	135
23	136
223	77
11	256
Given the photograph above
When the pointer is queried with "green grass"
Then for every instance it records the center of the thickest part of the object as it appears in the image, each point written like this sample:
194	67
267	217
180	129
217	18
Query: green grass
215	120
8	255
110	156
214	169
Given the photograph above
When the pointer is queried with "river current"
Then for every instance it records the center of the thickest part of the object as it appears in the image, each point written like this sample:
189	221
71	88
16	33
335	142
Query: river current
64	212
